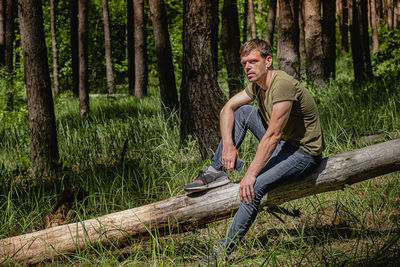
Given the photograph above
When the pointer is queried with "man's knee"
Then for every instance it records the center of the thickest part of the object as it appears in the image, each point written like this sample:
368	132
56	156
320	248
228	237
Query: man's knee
243	111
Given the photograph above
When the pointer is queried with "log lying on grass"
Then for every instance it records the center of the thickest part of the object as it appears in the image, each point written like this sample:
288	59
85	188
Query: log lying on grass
192	210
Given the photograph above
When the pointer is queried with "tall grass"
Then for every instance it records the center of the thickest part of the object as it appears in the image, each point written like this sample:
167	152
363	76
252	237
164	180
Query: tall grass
356	226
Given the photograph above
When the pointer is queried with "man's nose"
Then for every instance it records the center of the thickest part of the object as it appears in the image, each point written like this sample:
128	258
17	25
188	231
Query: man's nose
247	66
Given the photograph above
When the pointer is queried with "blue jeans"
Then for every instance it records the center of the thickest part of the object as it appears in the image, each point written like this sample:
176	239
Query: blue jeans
285	164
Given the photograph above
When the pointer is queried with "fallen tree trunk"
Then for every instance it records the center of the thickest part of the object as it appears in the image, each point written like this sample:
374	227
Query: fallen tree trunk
186	211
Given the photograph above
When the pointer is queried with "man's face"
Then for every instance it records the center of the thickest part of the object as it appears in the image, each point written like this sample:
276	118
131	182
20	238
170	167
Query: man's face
254	65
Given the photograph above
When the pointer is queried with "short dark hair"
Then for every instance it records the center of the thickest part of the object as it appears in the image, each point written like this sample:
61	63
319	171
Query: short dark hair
262	46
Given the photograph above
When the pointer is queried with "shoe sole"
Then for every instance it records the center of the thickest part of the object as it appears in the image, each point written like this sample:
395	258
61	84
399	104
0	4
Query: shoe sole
208	186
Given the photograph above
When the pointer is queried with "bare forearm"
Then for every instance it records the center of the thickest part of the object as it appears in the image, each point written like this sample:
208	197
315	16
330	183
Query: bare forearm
226	125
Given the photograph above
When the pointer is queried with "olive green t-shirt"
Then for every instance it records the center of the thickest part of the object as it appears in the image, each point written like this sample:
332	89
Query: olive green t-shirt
303	128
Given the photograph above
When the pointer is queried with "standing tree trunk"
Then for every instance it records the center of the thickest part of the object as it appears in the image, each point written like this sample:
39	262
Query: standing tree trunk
130	43
389	12
2	32
214	37
141	75
329	38
374	27
230	44
360	41
252	20
245	20
344	29
83	57
9	52
56	81
201	98
162	47
42	125
302	45
107	46
271	22
288	41
73	6
313	41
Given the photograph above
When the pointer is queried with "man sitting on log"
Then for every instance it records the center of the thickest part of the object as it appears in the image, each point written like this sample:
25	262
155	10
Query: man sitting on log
287	125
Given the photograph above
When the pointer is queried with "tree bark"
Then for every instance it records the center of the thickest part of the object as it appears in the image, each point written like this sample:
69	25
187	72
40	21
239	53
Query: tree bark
74	46
107	46
344	29
329	38
201	97
141	74
130	43
83	57
360	41
374	27
389	13
288	41
230	44
42	125
302	45
313	41
245	20
192	210
2	32
252	20
9	52
56	81
271	22
162	47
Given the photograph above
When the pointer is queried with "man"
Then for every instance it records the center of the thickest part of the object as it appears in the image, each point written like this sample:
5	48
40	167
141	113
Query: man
287	125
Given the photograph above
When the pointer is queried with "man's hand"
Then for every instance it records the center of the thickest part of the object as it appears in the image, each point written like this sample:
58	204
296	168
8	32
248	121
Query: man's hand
229	155
246	189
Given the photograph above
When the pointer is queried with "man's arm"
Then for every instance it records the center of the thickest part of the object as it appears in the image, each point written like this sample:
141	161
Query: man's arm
279	117
229	152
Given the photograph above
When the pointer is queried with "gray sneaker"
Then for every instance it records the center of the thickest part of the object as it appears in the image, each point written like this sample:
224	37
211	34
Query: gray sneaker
207	180
214	255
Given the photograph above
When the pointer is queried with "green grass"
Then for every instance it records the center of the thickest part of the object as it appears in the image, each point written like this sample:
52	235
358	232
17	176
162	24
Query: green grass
358	226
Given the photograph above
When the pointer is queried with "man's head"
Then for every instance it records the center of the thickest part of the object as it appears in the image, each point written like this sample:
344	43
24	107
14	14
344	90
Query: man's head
262	46
256	59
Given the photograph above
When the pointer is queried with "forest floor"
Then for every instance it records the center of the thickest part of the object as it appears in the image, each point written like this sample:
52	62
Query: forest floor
357	226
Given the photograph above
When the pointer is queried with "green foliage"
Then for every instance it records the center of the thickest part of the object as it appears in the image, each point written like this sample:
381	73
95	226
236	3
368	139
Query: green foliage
386	62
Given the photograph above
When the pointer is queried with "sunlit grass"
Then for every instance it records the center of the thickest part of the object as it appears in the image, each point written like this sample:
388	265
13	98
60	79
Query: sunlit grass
356	226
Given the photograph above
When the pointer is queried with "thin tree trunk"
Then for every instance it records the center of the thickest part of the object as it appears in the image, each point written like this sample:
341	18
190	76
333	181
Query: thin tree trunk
329	38
344	29
9	52
162	47
313	41
107	46
42	126
288	41
189	211
302	45
74	46
271	22
141	74
374	28
252	20
389	12
130	43
230	44
360	41
56	81
201	97
83	57
245	20
2	32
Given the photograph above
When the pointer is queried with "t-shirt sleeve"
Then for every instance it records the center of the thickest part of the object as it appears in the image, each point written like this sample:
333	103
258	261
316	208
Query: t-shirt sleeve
283	91
251	90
